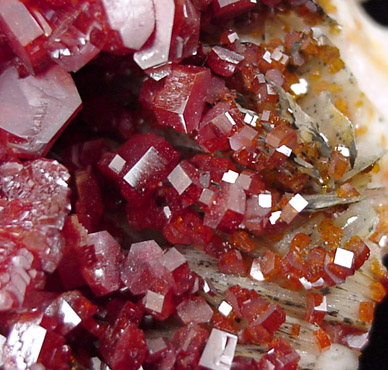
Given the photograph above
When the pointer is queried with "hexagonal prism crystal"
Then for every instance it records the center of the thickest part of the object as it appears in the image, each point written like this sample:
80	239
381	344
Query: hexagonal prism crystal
101	257
227	212
134	20
179	104
157	52
35	109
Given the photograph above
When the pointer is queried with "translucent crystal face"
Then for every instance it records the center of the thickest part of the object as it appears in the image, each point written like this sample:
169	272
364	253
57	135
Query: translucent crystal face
32	108
219	351
157	52
133	20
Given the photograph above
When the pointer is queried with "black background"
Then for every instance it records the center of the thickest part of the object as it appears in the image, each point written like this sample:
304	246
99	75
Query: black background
375	355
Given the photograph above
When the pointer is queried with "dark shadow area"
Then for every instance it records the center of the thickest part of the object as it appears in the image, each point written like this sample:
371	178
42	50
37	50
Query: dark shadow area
378	10
375	355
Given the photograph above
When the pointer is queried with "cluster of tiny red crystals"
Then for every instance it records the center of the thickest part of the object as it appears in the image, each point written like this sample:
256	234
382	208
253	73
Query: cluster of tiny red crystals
161	148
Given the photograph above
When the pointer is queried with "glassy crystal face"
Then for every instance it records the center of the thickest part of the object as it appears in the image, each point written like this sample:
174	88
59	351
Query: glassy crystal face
134	20
179	104
35	204
100	259
35	109
219	351
157	52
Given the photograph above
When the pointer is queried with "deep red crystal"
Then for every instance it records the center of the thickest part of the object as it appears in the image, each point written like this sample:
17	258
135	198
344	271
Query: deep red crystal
179	104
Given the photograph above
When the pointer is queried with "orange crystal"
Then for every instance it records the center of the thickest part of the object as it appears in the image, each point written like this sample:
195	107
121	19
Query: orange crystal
322	339
366	311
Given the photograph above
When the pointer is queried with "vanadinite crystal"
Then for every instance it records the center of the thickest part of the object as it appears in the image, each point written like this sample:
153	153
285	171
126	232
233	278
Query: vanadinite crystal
190	156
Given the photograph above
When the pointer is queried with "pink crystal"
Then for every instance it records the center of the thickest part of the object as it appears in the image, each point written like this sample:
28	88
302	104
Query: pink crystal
31	345
275	76
217	90
282	135
219	350
100	260
194	310
24	343
157	350
70	32
179	104
186	227
37	195
232	262
182	176
137	268
227	212
251	182
23	32
88	206
133	19
280	356
291	210
157	51
188	181
33	110
18	271
159	302
154	301
69	269
258	209
243	139
172	259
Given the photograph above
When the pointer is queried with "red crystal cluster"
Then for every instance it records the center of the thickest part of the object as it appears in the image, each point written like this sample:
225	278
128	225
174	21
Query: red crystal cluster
175	136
